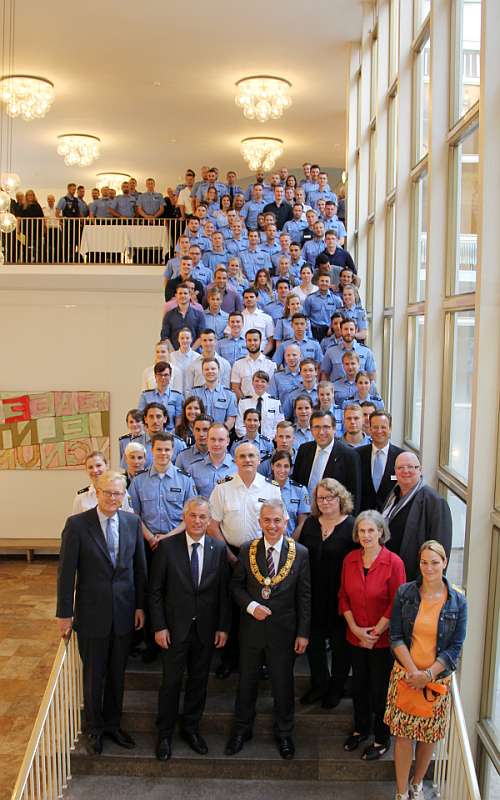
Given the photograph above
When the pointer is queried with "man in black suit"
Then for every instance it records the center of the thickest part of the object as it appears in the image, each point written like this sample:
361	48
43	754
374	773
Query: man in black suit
271	585
104	550
377	459
327	457
190	614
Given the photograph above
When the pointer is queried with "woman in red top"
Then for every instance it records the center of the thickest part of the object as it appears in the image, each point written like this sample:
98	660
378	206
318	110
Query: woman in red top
370	578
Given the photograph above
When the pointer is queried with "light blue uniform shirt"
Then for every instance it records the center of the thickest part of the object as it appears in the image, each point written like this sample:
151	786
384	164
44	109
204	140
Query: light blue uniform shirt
375	399
275	311
365	440
332	360
249	189
289	401
264	467
320	307
211	259
283	330
124	204
84	209
200	191
205	474
343	390
253	260
313	197
312	249
151	202
295	228
203	274
143	438
296	500
170	399
250	212
159	500
264	444
270	249
283	382
358	315
220	403
309	348
329	341
335	224
302	435
187	457
236	246
100	208
172	268
232	349
217	322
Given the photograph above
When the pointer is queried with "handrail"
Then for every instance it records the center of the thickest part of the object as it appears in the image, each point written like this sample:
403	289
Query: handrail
45	769
454	770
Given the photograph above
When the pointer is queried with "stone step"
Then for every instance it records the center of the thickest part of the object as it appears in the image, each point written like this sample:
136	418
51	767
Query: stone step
148	676
140	706
319	759
89	787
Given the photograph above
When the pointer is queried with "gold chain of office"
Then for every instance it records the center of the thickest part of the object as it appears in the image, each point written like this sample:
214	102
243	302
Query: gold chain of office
267	582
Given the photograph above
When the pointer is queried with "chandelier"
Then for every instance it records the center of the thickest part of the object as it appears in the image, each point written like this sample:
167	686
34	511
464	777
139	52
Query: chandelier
26	96
112	179
261	152
78	149
263	97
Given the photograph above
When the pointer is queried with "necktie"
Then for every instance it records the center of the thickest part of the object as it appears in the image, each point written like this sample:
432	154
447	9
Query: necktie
378	469
110	539
259	411
317	469
270	562
195	566
231	194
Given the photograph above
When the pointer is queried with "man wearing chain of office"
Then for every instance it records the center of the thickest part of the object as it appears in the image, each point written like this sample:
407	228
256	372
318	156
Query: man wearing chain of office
271	585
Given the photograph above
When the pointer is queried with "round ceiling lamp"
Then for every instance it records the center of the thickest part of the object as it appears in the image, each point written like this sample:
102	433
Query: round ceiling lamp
112	179
263	97
10	182
26	96
78	149
261	152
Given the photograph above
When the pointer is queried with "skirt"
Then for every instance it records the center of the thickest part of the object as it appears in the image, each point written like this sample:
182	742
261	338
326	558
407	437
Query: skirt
422	729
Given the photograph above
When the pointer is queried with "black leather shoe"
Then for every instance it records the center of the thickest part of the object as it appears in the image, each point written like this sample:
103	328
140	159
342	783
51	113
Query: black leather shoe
310	697
223	671
163	749
121	738
286	747
264	672
195	741
332	698
235	743
94	743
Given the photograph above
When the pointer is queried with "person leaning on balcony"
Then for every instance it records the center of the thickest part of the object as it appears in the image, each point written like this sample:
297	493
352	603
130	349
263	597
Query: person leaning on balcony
427	631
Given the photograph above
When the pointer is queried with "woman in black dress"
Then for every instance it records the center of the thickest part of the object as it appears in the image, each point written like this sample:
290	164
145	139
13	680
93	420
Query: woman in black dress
327	534
31	227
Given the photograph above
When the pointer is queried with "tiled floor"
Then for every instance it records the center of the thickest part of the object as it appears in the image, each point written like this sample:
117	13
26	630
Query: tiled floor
28	644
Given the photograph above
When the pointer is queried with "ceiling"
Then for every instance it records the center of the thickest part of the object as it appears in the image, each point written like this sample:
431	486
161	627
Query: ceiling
106	57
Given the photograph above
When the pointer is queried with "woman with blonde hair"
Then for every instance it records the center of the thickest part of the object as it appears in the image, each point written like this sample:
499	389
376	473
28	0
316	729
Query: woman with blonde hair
327	534
427	631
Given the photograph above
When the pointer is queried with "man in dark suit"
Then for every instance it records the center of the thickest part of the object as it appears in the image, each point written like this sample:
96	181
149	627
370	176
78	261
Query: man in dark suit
377	459
190	614
103	549
271	585
327	457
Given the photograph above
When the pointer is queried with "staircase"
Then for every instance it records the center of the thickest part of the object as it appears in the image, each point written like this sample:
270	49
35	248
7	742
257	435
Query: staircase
320	769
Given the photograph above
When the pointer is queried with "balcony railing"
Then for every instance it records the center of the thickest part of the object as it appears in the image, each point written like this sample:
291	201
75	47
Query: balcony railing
46	767
96	241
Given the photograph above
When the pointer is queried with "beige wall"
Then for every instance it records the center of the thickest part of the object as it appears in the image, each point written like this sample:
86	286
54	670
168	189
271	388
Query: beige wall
87	338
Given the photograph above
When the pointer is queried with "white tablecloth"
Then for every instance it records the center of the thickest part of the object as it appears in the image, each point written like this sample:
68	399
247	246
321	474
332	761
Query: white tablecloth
148	236
119	238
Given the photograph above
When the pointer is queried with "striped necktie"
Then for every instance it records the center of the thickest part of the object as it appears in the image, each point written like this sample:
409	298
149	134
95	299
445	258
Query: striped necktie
270	562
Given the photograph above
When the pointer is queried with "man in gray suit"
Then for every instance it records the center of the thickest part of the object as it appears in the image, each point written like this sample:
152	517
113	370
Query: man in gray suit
103	549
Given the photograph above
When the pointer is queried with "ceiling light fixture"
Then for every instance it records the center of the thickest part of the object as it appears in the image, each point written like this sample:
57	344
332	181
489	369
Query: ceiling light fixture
261	152
78	149
26	96
112	179
263	97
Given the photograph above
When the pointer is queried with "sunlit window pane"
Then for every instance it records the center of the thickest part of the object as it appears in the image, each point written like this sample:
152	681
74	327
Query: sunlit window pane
370	257
467	65
387	363
422	101
373	170
390	255
392	140
420	10
458	514
414	380
393	39
461	338
419	254
373	77
466	220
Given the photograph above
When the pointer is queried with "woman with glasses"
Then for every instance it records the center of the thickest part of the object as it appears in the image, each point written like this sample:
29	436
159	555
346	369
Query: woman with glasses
327	534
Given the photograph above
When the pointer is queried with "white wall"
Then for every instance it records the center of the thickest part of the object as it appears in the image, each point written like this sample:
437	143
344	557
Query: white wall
87	338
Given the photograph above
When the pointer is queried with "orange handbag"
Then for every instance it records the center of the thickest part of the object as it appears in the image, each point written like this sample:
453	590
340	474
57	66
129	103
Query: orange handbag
418	702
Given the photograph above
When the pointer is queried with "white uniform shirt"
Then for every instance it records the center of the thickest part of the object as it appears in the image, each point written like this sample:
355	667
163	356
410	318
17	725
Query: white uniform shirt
270	416
244	369
237	507
51	218
87	499
184	199
260	321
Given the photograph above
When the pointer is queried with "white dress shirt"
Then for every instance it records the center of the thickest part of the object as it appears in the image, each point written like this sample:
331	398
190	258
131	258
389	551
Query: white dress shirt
270	416
200	550
244	369
236	507
260	321
276	560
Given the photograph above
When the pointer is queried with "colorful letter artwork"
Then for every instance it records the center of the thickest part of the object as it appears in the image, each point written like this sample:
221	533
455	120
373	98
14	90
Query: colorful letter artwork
52	430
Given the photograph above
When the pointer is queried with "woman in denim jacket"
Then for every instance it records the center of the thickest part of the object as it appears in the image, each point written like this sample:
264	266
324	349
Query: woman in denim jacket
427	631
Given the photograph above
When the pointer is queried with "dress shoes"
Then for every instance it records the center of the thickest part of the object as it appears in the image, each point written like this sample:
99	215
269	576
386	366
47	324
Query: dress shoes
94	743
310	697
286	747
235	743
332	698
163	749
122	738
195	741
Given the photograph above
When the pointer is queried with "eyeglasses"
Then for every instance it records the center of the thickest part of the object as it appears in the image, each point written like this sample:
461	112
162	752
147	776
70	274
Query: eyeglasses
326	498
408	467
112	495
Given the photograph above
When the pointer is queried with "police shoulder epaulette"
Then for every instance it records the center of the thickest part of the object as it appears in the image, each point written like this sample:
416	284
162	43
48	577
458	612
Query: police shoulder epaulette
294	483
140	472
265	438
82	491
125	436
227	478
183	472
247	397
266	457
271	480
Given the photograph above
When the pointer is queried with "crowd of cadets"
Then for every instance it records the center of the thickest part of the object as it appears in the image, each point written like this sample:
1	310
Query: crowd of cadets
262	325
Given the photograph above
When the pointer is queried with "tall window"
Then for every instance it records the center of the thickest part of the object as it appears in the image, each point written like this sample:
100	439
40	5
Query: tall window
414	380
393	39
465	214
459	360
466	57
392	143
419	239
420	10
458	510
421	82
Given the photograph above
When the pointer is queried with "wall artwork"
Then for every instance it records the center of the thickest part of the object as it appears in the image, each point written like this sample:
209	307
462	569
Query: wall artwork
52	430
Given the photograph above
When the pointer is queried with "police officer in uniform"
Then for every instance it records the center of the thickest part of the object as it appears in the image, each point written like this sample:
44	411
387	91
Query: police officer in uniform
150	207
217	465
219	402
251	422
169	398
294	496
95	465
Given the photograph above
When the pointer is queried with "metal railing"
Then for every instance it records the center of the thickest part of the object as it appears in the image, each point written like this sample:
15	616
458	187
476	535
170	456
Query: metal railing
39	240
46	768
454	770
